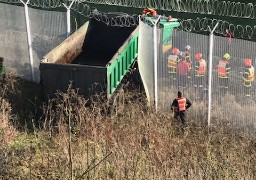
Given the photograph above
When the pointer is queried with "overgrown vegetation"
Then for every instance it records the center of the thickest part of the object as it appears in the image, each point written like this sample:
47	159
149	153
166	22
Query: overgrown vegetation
121	139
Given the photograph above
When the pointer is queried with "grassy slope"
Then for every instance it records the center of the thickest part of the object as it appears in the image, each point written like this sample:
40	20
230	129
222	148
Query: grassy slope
119	140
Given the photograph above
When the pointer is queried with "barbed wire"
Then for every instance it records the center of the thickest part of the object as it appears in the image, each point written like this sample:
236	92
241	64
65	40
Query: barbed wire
191	25
126	20
206	24
210	7
195	25
49	4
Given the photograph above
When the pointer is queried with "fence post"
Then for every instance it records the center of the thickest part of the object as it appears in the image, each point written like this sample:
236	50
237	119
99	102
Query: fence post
30	49
68	17
211	45
155	61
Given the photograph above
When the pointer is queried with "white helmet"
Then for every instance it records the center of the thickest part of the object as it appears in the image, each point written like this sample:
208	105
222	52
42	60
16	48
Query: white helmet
182	53
187	47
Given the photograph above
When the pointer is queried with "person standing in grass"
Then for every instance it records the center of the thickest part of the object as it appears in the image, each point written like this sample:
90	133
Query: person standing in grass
173	60
183	69
248	76
2	70
223	70
180	106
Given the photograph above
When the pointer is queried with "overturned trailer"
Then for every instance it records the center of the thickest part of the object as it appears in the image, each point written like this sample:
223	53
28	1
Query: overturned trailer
94	58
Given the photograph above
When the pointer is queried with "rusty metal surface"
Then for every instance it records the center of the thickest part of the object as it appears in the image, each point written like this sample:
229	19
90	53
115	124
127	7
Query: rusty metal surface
69	49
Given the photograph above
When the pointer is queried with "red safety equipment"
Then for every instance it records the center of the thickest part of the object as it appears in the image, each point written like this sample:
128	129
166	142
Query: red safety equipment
150	11
222	71
201	68
182	103
175	51
250	75
198	56
247	62
183	68
172	63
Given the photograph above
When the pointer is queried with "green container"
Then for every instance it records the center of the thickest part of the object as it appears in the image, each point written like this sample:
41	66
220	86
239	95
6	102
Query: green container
119	66
167	27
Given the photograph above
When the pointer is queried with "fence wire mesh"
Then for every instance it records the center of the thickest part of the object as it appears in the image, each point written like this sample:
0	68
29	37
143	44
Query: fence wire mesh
13	43
233	97
212	7
48	29
170	81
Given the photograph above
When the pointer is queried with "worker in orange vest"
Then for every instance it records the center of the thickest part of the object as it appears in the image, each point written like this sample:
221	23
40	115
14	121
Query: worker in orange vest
200	70
149	11
173	60
223	70
248	76
180	106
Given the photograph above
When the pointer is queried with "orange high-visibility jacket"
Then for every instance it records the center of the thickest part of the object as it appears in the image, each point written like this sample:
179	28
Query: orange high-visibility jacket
222	69
182	103
201	69
249	74
173	61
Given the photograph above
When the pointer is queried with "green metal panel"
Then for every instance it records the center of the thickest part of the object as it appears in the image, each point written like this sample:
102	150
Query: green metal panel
167	27
167	31
119	67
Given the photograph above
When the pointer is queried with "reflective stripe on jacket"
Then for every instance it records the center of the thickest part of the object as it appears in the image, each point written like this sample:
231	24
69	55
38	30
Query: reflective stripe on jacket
201	69
222	70
173	61
250	74
182	103
187	56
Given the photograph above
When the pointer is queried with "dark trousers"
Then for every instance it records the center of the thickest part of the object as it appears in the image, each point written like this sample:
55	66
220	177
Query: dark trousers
247	90
183	80
181	118
199	81
182	115
223	82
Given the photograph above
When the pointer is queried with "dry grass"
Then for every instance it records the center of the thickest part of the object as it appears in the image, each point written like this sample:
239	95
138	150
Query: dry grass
120	139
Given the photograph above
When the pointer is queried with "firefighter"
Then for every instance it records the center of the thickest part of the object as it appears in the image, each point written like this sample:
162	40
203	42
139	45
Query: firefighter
183	69
180	106
223	70
200	70
188	59
173	60
149	11
248	76
2	71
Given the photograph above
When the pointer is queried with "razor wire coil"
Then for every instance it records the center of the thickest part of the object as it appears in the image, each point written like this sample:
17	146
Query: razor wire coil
190	25
206	24
209	7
